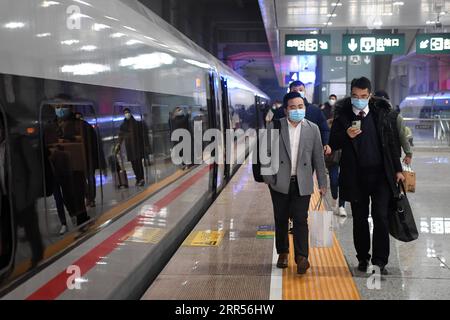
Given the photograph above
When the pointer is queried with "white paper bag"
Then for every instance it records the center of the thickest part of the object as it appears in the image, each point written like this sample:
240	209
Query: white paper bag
320	228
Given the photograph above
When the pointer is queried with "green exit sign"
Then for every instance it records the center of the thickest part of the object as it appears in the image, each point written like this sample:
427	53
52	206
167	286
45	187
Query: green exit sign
373	44
302	44
438	43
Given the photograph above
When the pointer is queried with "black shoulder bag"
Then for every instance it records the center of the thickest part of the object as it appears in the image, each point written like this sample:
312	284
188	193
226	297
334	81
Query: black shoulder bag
401	219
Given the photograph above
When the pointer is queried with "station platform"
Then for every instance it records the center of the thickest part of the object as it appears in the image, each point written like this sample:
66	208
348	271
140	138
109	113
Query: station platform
240	262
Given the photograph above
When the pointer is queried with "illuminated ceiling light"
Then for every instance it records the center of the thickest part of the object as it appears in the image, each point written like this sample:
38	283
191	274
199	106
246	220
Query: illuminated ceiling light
147	61
328	23
117	35
111	18
43	35
133	42
83	2
85	69
398	3
130	28
443	13
336	4
314	32
332	15
14	25
70	42
378	23
100	26
198	63
46	4
88	48
387	14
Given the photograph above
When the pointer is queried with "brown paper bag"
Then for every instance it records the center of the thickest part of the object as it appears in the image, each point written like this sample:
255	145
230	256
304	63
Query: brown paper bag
410	183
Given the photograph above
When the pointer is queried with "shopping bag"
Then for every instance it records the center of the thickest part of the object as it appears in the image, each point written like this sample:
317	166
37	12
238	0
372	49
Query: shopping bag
320	228
410	176
401	219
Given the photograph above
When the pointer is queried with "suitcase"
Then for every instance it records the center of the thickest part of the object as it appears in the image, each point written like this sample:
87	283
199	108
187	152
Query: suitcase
118	169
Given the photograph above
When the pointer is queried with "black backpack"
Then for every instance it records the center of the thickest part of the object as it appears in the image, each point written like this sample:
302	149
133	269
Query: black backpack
257	166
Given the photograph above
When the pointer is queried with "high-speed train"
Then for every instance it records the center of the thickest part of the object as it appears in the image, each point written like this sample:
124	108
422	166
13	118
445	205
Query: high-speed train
426	106
97	58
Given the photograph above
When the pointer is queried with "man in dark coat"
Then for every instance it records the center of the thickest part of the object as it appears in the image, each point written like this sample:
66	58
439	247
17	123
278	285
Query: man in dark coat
328	107
370	168
135	135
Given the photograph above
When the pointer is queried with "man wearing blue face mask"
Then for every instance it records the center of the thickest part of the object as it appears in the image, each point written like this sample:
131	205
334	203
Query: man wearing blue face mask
370	168
300	153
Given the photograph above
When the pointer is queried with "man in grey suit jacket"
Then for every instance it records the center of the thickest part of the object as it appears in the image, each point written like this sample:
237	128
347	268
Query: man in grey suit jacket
291	186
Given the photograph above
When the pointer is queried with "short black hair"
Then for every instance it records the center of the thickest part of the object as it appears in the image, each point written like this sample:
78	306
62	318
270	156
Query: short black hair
382	94
290	96
296	84
126	110
361	83
332	95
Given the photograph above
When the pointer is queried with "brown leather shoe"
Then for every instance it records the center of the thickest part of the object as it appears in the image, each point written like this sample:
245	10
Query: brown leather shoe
283	260
302	264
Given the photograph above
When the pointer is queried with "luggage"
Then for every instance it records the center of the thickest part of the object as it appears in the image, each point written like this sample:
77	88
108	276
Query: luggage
118	171
410	175
401	219
320	228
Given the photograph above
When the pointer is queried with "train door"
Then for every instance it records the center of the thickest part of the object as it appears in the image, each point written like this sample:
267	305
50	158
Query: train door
131	142
226	126
217	118
72	148
7	230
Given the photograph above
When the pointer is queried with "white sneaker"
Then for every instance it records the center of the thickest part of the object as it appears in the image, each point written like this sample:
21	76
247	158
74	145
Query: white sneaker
342	212
63	230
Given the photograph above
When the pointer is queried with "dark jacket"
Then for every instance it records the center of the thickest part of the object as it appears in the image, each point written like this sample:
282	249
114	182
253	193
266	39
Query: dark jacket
137	142
349	183
315	115
328	111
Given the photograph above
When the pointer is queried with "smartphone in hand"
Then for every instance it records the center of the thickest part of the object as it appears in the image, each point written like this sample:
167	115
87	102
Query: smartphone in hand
356	124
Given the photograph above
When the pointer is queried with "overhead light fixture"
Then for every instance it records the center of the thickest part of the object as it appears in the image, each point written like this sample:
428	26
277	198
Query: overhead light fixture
398	3
100	26
43	35
336	4
70	42
46	4
328	23
85	69
332	15
14	25
88	48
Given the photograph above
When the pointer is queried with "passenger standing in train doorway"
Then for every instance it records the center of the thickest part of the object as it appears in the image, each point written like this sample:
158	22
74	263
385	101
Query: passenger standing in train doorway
291	187
68	142
178	119
135	136
370	168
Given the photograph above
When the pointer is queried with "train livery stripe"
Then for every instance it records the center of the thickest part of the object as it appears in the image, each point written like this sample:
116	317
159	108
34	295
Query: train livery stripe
56	286
329	277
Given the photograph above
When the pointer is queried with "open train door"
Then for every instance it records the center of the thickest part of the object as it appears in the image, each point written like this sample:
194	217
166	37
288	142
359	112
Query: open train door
7	230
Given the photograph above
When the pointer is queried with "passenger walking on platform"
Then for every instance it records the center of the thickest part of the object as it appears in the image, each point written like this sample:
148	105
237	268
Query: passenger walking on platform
370	168
328	107
291	187
404	132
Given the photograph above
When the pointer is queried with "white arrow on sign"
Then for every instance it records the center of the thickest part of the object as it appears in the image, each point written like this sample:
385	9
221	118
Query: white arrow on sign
323	45
424	44
353	45
367	60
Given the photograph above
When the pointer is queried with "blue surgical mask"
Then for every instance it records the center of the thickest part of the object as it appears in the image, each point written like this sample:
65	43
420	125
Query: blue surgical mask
302	94
297	115
360	104
62	113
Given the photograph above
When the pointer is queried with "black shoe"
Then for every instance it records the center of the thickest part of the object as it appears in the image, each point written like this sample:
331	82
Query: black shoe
302	264
363	265
283	260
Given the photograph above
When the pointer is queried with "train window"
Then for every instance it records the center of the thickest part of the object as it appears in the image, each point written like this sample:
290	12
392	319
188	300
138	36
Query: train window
72	147
6	212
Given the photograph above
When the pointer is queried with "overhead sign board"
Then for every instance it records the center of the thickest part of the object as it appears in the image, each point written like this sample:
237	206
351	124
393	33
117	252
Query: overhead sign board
373	44
433	43
304	44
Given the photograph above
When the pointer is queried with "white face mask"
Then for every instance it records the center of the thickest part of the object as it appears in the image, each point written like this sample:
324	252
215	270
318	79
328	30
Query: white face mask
128	116
332	102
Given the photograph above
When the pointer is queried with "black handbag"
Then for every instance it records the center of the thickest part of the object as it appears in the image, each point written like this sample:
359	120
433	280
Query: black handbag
401	219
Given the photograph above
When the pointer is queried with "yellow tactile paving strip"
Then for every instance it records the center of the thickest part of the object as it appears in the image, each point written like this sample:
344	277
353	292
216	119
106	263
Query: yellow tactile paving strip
329	277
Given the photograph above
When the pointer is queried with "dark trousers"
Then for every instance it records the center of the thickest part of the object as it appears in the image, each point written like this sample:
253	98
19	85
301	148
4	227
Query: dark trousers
138	169
334	184
73	191
59	203
91	188
296	206
374	187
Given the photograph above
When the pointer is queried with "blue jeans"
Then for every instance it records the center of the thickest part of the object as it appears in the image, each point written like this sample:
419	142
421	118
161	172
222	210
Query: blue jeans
334	184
